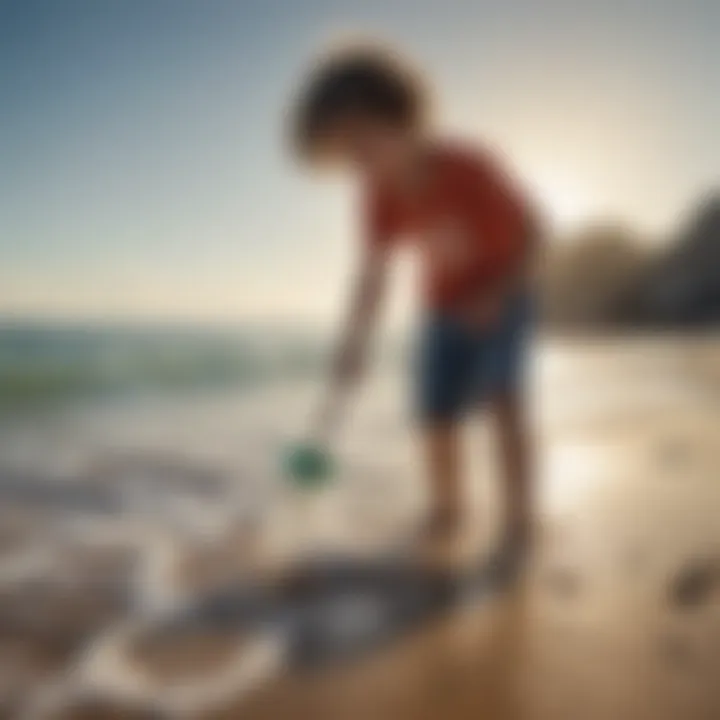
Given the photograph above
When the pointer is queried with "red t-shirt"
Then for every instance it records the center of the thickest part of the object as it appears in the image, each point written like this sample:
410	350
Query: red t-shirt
470	224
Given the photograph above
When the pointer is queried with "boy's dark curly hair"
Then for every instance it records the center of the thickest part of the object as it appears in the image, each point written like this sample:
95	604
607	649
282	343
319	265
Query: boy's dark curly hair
361	83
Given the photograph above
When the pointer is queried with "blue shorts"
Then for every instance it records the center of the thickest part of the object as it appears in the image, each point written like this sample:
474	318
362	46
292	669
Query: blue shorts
458	367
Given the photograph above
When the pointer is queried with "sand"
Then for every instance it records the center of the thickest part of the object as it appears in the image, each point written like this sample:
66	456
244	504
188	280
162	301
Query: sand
601	629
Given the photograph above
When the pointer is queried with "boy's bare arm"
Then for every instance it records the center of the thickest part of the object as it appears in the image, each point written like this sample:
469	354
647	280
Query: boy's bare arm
365	301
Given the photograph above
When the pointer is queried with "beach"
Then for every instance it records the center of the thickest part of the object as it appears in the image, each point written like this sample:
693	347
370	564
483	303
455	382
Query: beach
120	507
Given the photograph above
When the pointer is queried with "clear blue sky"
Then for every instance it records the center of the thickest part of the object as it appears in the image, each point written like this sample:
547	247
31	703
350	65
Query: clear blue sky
141	164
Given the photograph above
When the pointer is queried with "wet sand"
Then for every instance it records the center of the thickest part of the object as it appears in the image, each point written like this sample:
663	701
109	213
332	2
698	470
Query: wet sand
618	617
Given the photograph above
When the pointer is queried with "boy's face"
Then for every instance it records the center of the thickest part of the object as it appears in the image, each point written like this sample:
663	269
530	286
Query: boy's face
380	151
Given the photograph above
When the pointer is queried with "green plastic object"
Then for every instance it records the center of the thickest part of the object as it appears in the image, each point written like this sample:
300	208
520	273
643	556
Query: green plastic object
308	466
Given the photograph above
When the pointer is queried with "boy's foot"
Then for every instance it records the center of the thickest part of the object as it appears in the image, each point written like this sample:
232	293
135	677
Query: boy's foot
436	540
439	525
509	561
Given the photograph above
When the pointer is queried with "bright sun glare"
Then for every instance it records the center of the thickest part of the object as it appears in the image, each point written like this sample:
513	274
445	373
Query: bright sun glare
567	204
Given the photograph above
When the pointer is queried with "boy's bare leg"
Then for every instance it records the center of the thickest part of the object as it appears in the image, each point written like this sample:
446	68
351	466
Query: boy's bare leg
509	415
442	450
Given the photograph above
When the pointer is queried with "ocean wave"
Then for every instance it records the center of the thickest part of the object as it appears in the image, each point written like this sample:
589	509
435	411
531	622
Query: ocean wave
43	363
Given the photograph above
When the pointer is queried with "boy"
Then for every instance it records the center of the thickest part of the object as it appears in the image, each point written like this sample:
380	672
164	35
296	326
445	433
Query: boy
475	233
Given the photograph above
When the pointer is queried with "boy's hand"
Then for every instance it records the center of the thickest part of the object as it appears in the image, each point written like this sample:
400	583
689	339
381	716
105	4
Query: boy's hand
349	364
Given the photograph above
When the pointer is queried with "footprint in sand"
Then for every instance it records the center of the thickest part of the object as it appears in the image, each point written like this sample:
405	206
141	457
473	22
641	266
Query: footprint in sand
694	583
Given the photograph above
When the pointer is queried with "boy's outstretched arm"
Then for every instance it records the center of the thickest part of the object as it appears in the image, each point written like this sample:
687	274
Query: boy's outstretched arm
352	347
366	297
